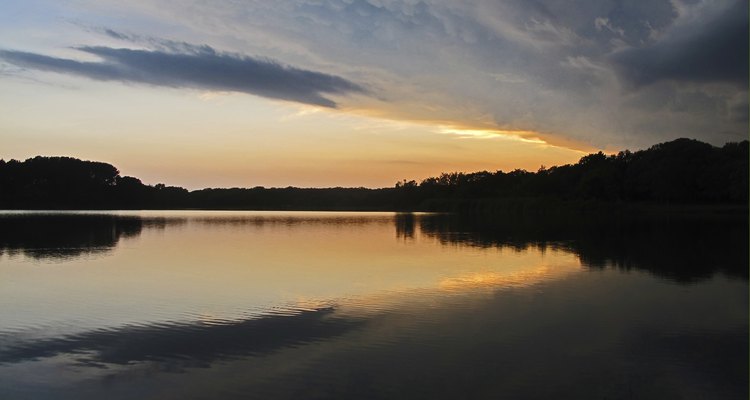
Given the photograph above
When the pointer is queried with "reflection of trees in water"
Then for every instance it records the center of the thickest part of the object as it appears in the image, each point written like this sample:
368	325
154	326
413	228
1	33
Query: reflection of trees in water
57	235
285	218
678	248
684	251
61	236
405	224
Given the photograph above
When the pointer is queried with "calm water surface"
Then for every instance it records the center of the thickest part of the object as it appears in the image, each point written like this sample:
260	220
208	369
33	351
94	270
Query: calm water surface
161	305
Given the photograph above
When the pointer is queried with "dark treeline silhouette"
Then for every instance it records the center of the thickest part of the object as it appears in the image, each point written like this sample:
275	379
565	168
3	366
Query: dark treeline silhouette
69	183
682	171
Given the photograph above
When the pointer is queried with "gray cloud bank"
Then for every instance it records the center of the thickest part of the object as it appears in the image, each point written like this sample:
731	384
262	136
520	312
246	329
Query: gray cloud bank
195	67
604	73
714	51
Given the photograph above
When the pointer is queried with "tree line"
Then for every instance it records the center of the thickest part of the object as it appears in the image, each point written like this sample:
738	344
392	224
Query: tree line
683	171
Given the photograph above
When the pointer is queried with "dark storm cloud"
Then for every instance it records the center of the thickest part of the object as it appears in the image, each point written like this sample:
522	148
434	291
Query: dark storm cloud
196	67
715	51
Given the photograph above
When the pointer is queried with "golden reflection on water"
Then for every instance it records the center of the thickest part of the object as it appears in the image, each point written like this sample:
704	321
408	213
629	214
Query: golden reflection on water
216	266
494	280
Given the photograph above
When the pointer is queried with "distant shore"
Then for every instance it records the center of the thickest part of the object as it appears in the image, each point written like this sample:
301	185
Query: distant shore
682	176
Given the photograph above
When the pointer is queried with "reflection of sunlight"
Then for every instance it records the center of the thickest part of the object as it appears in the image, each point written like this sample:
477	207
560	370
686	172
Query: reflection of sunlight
521	136
497	280
477	283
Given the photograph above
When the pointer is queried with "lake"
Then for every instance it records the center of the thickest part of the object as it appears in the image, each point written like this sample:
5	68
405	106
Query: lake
317	305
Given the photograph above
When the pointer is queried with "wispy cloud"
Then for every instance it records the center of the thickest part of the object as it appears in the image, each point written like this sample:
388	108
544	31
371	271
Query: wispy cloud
199	67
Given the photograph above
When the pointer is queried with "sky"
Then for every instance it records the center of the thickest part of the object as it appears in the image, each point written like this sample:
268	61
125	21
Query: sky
322	93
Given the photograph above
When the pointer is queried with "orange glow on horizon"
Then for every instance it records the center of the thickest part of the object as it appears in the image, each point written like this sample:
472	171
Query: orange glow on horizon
217	139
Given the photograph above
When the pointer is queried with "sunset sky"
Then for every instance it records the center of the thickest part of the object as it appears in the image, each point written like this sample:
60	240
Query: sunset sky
324	93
